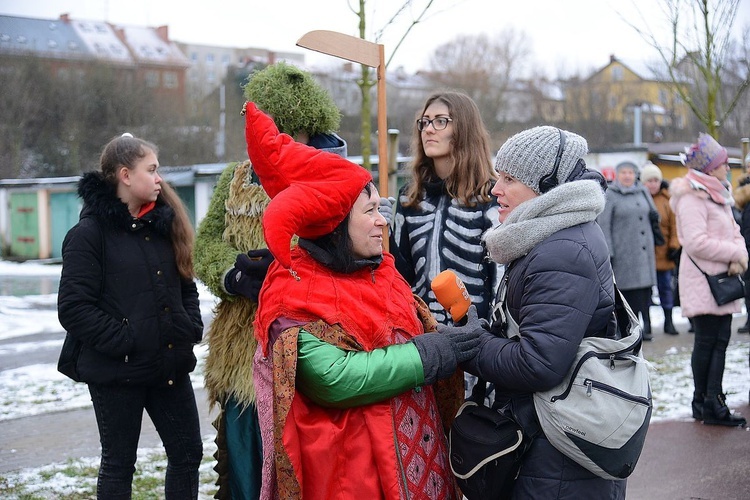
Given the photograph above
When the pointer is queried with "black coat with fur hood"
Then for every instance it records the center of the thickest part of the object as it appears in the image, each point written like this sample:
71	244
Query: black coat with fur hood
122	296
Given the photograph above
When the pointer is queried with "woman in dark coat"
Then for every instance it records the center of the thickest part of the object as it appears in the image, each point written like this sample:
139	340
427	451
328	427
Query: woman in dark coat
127	294
559	290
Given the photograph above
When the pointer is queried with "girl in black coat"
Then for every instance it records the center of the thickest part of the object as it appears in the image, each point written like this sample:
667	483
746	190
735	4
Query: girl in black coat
127	294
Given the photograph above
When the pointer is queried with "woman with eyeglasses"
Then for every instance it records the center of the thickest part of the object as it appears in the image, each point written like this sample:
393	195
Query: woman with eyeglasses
443	211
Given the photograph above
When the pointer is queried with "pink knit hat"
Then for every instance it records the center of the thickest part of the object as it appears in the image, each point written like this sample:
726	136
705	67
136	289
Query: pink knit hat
705	155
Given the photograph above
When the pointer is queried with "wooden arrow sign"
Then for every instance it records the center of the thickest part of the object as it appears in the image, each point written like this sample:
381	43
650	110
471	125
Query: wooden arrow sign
370	54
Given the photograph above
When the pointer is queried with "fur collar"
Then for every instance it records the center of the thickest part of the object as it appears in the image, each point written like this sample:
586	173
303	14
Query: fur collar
101	202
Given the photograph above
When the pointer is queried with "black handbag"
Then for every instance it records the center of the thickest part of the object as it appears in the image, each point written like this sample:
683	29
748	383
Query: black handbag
653	217
724	288
66	363
485	449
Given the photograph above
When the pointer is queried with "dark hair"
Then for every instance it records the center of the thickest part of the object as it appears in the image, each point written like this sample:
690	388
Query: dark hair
472	173
126	150
339	245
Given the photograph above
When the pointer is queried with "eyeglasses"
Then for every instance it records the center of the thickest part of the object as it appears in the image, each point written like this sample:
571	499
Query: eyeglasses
438	123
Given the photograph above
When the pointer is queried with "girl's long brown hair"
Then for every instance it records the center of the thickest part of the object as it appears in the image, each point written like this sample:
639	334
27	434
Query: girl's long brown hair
472	174
125	151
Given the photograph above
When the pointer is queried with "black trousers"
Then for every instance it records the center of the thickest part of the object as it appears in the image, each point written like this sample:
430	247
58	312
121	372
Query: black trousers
119	413
640	301
709	353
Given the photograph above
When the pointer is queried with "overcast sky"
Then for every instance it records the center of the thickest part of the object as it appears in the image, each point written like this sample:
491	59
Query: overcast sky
566	35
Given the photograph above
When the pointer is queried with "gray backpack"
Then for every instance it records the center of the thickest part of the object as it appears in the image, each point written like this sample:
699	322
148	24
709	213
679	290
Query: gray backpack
599	414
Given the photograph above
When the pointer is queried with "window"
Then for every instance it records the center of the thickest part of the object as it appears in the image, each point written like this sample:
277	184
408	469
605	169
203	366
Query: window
617	74
170	80
663	97
209	58
152	78
612	102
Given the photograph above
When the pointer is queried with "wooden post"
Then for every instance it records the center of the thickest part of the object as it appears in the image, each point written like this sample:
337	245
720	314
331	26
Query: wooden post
370	54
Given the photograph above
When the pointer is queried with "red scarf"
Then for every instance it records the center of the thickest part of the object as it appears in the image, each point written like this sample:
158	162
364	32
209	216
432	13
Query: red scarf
369	304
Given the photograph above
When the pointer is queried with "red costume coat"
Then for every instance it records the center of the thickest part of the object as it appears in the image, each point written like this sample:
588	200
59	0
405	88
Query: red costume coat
393	449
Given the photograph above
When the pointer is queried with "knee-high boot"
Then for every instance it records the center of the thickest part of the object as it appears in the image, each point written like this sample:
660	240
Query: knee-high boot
668	325
746	327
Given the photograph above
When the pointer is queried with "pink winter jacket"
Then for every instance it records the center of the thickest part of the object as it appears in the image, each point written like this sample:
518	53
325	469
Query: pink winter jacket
708	233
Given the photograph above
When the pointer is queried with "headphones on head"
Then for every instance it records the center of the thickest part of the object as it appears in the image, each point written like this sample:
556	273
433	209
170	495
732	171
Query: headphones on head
550	181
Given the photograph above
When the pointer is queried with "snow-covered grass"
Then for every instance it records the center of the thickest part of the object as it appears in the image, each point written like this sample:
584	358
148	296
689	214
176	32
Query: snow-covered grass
76	479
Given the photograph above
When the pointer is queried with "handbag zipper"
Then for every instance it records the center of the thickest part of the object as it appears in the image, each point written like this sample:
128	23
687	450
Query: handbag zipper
593	384
612	356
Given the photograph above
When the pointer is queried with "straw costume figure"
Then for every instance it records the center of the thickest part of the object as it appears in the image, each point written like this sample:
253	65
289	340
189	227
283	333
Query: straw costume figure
231	260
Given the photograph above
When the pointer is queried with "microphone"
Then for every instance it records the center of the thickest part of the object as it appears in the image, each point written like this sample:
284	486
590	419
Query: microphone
451	292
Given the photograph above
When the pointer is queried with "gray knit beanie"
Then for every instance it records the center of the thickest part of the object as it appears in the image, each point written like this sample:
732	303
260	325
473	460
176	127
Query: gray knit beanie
530	155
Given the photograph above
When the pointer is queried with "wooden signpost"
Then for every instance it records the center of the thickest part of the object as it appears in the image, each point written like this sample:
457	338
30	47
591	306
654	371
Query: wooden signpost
370	54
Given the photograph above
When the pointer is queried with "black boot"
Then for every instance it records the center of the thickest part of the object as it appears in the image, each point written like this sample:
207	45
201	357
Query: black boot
716	412
746	327
691	329
668	325
697	406
647	332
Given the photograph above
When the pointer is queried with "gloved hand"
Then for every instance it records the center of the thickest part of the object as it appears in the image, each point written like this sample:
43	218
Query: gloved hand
248	273
386	209
441	352
673	254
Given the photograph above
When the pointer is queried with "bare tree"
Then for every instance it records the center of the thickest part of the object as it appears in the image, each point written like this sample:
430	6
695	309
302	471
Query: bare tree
366	83
698	56
484	67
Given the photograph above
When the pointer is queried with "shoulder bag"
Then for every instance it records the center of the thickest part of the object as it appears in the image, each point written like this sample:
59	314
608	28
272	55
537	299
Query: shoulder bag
486	447
724	288
599	414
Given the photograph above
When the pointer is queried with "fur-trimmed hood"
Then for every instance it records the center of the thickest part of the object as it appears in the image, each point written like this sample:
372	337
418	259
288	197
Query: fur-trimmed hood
100	201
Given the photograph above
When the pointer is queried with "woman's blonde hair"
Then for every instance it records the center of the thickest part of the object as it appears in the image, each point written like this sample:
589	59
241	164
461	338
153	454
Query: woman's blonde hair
471	175
125	150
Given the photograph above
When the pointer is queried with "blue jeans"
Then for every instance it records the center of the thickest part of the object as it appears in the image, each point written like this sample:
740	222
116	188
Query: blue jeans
664	284
119	412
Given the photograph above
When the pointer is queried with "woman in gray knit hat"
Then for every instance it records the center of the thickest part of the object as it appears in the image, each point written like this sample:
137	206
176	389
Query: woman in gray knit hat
559	290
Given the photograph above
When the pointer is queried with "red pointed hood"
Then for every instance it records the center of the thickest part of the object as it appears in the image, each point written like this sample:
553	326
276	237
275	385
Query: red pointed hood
311	190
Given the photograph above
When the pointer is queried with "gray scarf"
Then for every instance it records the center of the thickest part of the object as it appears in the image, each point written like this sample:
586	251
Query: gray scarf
534	220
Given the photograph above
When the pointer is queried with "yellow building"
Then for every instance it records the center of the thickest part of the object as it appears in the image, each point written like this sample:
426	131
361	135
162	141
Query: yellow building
612	93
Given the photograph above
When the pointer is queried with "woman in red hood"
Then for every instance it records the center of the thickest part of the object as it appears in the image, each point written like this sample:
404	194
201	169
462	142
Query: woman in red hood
344	370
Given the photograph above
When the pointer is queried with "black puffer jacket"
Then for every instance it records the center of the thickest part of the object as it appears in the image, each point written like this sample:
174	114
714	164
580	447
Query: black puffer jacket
122	296
558	293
